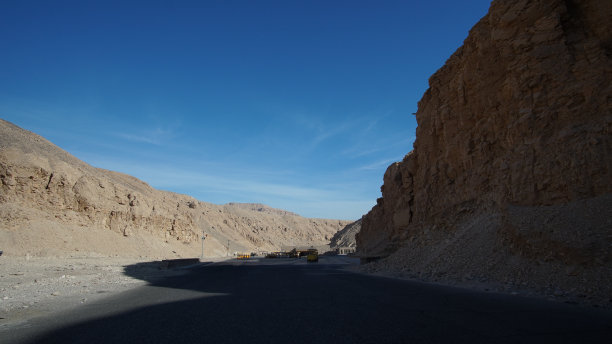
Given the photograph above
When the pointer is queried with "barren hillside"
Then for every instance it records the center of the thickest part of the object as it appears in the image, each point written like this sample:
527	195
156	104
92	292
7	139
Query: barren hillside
51	203
346	236
509	180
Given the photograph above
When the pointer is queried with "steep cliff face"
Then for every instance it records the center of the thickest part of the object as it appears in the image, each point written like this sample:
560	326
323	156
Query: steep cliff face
45	192
519	117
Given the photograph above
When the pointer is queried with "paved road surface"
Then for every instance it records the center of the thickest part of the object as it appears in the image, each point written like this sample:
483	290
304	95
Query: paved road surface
289	302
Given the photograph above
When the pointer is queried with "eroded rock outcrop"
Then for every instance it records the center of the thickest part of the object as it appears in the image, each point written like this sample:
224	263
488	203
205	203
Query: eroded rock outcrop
516	124
45	191
345	238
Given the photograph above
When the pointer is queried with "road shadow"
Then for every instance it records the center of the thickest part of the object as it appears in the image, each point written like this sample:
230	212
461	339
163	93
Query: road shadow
251	303
153	271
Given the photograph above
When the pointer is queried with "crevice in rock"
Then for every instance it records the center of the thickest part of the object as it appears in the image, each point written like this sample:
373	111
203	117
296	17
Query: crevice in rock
49	182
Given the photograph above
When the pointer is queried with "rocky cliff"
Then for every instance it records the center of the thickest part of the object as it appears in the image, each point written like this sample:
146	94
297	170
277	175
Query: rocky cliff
51	203
346	236
513	152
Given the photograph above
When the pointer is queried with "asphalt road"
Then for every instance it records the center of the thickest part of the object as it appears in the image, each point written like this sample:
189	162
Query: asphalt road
294	302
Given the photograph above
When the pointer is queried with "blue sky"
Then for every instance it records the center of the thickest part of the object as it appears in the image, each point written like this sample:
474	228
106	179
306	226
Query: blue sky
300	105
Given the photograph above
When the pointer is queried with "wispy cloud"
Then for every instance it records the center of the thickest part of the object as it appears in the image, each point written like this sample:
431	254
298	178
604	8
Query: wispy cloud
156	136
326	133
343	199
138	138
377	165
374	120
322	131
365	148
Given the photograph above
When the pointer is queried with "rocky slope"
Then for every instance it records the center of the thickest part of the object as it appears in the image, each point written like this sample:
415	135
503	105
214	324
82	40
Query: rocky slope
51	203
510	176
346	236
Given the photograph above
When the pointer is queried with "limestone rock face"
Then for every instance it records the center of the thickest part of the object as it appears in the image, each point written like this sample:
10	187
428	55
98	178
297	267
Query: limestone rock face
519	117
346	236
43	187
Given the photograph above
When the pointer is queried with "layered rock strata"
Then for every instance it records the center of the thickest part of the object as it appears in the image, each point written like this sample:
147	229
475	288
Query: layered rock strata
514	129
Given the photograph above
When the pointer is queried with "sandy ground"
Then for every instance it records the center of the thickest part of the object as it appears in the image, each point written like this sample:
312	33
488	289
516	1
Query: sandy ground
31	287
38	286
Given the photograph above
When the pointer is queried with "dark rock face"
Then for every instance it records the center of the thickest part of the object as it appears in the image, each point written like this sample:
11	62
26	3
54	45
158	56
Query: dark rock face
519	116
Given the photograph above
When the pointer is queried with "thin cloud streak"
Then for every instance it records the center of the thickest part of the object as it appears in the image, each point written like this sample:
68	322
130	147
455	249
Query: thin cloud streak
156	136
325	132
377	165
380	146
341	200
169	178
136	138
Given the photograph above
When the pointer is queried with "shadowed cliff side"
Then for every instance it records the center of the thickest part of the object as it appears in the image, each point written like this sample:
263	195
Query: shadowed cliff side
509	179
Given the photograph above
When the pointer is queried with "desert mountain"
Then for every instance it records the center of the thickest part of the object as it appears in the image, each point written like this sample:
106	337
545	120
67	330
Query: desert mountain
510	176
51	203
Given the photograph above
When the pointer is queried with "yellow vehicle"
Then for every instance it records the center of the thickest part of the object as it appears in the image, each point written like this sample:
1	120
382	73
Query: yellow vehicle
312	257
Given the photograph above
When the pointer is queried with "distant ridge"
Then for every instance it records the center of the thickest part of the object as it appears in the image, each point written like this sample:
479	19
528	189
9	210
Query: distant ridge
52	203
260	208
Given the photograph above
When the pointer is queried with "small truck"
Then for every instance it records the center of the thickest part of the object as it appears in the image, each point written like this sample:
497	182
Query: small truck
312	257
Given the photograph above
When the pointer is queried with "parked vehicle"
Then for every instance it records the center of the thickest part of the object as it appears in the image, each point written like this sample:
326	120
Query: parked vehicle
312	257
